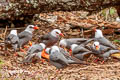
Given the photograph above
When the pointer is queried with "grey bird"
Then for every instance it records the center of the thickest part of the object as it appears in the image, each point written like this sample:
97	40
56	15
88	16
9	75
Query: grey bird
26	35
51	38
12	40
34	50
80	52
60	59
68	42
71	59
102	51
102	40
57	59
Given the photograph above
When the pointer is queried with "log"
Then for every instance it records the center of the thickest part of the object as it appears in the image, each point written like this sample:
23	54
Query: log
22	11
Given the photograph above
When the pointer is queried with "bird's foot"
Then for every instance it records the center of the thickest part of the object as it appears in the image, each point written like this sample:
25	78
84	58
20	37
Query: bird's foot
26	46
103	62
15	54
22	50
42	60
96	60
30	43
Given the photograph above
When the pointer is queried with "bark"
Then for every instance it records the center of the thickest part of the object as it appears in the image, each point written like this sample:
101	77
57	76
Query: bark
24	10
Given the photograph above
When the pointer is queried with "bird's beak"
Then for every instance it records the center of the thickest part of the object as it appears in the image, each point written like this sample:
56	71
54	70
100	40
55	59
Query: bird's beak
61	34
45	55
94	30
97	48
35	27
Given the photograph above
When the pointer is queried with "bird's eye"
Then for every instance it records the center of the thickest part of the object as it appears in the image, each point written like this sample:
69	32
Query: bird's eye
30	27
57	32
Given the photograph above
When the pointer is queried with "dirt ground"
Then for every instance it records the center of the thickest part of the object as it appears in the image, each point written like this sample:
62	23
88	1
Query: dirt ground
12	69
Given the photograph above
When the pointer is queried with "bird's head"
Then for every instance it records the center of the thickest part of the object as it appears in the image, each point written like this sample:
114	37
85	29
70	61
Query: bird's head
31	28
63	43
73	46
98	33
43	45
55	48
56	33
14	32
96	45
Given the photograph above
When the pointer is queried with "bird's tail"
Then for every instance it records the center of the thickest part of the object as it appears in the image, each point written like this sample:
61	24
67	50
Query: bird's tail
76	61
28	58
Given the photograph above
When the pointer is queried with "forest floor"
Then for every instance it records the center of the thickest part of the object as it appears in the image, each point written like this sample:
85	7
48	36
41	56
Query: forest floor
12	69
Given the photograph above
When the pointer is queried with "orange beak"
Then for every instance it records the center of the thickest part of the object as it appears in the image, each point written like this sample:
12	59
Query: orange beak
35	27
94	30
97	48
45	55
70	52
30	43
61	34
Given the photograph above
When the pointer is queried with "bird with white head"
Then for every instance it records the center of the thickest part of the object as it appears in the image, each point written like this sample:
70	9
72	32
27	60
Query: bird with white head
102	40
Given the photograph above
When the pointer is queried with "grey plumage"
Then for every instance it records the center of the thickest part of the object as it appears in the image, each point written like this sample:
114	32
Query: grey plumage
51	38
26	35
103	51
71	59
102	40
24	38
34	50
68	42
80	52
60	59
12	40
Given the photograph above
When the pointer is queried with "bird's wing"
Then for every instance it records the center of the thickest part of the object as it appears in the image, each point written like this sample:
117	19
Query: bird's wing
76	40
57	56
71	59
34	49
45	37
28	58
81	56
106	42
15	40
24	34
80	49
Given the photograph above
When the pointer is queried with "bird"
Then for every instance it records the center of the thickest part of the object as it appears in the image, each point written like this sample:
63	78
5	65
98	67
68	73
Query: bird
66	43
26	35
51	38
12	40
80	52
34	50
59	59
102	40
102	51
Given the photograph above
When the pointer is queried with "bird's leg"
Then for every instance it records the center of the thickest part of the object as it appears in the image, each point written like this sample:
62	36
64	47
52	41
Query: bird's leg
26	46
22	50
15	54
58	71
103	62
96	60
42	60
70	52
30	43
